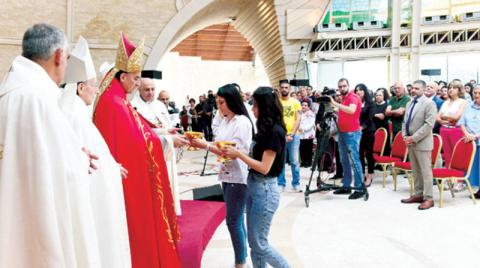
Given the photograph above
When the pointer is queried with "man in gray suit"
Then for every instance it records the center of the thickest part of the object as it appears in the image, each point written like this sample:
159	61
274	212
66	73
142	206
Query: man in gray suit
417	132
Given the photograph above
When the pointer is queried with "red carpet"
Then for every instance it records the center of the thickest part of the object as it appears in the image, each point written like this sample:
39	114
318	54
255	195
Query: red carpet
198	222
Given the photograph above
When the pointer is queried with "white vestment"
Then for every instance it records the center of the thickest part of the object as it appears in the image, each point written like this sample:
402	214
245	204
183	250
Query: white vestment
156	113
46	217
106	188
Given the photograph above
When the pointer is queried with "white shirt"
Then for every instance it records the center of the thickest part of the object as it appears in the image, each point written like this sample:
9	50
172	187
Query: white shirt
307	125
155	111
238	130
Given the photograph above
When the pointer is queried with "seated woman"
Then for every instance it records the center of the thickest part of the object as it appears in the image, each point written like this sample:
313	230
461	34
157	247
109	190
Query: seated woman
470	125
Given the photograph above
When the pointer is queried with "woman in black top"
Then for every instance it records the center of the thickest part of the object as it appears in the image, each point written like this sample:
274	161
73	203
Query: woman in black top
380	119
266	163
368	130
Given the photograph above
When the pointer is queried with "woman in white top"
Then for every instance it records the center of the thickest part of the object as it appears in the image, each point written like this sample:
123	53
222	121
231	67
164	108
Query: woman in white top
307	134
237	127
447	117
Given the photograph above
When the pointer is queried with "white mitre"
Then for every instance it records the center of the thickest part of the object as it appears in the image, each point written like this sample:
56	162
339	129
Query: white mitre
105	68
80	68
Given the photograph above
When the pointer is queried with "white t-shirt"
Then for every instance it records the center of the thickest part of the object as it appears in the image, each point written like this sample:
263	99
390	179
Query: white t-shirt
238	130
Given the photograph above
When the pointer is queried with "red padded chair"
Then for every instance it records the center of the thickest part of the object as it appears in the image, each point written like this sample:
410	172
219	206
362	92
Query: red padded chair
380	141
459	169
407	167
398	154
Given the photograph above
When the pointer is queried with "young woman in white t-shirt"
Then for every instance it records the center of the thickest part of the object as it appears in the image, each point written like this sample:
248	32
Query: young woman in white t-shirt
235	126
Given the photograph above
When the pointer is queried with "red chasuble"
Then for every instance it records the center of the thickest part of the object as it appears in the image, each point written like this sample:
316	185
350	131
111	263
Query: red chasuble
152	222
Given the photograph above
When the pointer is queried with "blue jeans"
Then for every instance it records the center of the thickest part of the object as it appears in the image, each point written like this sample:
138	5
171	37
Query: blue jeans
262	202
293	149
235	195
350	141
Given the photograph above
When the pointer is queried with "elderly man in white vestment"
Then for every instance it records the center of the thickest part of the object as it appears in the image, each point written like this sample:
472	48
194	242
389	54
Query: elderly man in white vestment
46	216
106	182
156	113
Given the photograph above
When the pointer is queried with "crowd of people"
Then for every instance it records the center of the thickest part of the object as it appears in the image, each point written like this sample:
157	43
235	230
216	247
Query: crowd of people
88	175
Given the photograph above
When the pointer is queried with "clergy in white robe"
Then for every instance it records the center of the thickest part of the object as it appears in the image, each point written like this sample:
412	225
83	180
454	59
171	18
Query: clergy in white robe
46	217
156	113
106	188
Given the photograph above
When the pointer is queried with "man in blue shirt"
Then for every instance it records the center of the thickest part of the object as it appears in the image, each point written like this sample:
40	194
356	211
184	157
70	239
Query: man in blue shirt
470	124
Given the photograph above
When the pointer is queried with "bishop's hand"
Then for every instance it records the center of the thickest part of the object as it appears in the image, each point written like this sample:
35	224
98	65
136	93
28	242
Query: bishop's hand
91	156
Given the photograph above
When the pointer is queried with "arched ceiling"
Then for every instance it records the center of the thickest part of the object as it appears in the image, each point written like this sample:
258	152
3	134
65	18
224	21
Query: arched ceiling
256	20
216	42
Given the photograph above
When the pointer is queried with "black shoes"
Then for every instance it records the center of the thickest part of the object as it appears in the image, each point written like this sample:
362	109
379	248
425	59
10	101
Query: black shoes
342	191
356	195
336	177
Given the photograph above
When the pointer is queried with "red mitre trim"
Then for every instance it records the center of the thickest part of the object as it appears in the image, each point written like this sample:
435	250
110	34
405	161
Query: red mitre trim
129	47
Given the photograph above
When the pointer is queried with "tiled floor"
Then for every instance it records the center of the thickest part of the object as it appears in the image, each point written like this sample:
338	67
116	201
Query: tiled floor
337	232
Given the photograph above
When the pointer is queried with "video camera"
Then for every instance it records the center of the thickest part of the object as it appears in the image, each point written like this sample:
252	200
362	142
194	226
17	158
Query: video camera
325	95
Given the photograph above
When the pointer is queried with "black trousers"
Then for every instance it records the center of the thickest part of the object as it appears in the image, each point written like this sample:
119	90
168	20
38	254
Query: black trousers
306	152
366	150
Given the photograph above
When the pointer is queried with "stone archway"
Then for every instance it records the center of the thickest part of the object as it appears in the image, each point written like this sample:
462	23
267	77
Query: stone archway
256	20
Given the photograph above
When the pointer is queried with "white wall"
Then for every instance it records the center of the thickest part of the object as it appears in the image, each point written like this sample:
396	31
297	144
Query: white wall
372	72
191	76
463	66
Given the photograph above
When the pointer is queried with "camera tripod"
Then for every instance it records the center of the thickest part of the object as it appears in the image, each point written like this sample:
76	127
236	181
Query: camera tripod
204	165
323	135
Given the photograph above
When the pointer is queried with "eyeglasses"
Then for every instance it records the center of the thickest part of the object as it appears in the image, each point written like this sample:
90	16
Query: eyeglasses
164	99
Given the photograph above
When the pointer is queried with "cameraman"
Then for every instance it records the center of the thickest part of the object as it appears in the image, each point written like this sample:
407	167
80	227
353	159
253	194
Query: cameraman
349	134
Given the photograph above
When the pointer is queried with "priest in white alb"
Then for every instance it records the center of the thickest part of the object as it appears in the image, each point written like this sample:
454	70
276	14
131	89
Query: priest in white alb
156	114
45	208
106	182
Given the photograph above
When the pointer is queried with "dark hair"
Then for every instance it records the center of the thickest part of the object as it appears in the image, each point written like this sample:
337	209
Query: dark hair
422	83
234	101
118	74
386	94
283	81
367	97
236	85
270	111
343	79
472	87
192	99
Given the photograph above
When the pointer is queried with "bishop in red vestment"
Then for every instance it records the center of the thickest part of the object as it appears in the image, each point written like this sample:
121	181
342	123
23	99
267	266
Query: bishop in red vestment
152	222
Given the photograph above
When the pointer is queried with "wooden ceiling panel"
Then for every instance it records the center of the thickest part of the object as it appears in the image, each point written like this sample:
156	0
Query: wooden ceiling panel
216	42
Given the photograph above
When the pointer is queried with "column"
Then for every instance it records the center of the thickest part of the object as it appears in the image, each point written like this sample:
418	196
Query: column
415	49
395	49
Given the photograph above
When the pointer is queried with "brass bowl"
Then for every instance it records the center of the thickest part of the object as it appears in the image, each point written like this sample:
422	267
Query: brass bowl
194	134
223	145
